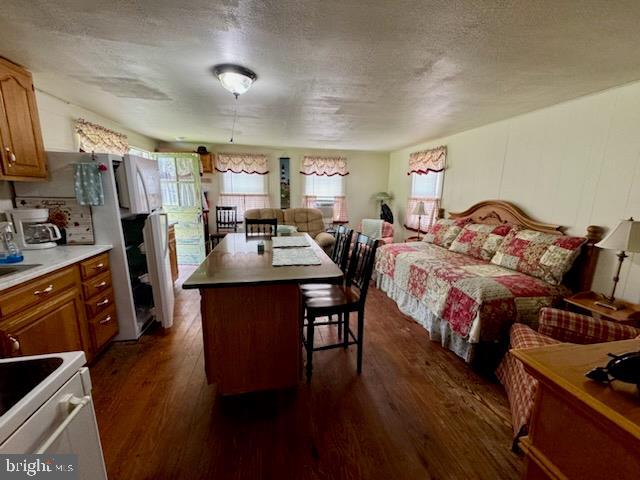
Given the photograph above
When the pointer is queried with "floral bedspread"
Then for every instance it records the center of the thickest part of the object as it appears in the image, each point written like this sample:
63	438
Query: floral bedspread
477	299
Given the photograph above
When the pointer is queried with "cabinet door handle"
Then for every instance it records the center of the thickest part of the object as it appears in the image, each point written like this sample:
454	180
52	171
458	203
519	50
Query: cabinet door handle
15	344
11	156
45	291
102	303
101	284
105	320
99	266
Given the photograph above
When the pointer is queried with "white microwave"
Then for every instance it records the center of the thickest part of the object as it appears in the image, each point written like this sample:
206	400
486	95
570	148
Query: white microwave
138	182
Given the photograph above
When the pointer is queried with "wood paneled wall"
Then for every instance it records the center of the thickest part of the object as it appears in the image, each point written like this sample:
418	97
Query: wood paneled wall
573	164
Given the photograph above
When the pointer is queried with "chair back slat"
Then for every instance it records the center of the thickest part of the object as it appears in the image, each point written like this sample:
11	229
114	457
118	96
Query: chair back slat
261	227
340	252
227	219
361	264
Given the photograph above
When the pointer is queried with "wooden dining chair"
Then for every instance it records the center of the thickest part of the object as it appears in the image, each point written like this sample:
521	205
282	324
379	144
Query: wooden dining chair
226	222
341	300
340	256
261	227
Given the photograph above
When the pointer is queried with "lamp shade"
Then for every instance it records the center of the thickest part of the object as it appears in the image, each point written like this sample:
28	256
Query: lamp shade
419	209
625	237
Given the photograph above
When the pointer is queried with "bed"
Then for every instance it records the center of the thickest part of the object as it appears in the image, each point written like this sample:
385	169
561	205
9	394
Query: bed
468	304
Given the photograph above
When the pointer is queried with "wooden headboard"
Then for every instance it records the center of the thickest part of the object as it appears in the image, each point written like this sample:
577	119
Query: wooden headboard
498	212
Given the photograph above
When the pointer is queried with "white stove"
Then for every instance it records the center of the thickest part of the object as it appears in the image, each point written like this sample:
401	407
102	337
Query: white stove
46	407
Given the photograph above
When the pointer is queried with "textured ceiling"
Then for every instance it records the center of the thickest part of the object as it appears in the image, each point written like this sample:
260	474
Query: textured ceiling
373	75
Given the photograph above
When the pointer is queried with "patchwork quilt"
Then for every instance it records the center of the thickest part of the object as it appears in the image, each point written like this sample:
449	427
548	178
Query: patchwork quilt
477	299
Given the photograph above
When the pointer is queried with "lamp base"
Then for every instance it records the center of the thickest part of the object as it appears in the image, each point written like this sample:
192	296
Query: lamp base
610	304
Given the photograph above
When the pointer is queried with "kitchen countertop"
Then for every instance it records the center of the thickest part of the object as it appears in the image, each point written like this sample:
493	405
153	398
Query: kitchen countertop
49	260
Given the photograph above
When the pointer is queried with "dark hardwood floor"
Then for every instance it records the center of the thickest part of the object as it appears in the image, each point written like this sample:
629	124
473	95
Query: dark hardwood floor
416	412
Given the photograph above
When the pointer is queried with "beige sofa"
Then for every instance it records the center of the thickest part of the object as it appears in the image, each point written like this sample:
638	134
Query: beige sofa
305	219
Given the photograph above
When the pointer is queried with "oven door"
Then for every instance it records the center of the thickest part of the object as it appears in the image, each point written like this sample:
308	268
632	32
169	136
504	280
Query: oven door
65	423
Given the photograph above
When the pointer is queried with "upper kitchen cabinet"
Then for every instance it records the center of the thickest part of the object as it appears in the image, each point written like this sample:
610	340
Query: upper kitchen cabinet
22	151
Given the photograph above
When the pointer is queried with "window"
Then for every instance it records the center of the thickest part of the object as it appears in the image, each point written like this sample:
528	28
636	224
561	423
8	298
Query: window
426	186
247	183
427	176
324	185
245	191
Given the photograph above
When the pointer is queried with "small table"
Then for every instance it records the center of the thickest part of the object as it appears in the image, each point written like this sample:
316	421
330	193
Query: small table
586	301
580	428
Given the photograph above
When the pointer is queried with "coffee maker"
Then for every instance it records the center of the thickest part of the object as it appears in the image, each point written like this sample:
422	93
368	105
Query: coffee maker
33	231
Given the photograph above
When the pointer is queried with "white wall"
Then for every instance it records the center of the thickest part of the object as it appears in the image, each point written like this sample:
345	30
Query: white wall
367	175
574	164
57	119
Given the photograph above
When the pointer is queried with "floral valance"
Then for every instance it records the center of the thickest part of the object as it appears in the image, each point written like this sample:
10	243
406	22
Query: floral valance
433	160
328	166
242	163
98	139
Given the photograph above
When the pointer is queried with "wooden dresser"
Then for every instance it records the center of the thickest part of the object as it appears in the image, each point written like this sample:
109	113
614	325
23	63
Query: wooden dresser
69	309
579	428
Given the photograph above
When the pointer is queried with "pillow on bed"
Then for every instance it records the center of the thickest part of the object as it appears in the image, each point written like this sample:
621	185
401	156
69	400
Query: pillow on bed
542	255
479	240
444	232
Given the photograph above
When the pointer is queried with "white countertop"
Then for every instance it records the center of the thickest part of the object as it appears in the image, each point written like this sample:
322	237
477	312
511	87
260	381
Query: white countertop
49	260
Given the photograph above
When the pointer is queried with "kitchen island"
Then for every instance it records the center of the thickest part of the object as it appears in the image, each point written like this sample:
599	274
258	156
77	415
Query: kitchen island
251	314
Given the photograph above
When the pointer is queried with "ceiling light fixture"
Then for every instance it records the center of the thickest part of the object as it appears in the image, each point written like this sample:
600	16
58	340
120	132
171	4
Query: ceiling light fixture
236	79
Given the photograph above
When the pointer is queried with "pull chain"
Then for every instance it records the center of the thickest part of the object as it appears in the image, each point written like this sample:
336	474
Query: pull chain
235	117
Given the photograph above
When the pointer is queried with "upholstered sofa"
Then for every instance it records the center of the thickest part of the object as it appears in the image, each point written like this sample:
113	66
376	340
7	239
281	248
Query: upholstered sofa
554	326
307	220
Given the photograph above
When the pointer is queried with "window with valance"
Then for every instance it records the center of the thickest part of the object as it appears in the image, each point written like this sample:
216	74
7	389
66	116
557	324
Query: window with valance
98	139
244	181
426	169
324	184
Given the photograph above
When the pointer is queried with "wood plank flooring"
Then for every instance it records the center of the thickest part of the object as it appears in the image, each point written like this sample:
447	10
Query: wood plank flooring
416	412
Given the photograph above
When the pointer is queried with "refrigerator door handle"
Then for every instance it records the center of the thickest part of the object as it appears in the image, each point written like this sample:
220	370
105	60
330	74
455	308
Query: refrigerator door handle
166	234
144	187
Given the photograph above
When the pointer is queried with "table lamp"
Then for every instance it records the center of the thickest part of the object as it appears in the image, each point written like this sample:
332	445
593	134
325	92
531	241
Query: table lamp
419	210
624	238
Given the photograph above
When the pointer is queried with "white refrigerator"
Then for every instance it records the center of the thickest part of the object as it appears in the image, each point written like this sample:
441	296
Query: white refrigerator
131	187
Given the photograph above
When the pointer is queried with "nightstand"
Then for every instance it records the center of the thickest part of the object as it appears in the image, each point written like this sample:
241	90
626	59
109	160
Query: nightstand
586	301
412	239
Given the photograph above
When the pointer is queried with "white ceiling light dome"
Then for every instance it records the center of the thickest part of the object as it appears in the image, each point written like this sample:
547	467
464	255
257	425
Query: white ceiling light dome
235	78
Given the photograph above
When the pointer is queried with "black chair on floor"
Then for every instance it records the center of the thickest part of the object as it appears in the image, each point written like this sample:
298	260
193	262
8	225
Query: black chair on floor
261	227
226	222
341	300
340	256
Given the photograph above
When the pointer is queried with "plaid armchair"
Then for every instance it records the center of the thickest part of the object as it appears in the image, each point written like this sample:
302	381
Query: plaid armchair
555	326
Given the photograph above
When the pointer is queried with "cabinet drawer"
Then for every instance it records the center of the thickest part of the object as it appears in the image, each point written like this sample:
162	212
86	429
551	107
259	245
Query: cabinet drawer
103	328
96	285
94	266
99	303
36	291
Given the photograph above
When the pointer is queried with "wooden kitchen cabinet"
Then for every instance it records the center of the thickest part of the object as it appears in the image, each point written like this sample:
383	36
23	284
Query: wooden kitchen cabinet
69	309
173	253
57	325
206	159
22	156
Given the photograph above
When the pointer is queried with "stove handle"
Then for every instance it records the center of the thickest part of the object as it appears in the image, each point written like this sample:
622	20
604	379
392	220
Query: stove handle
74	405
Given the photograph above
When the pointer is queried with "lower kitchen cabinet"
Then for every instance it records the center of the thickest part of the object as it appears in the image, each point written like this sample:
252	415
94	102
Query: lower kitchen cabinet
56	325
68	309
